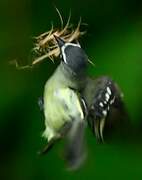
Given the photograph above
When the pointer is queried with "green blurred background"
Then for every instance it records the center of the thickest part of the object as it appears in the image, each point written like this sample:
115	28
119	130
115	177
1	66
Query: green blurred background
113	42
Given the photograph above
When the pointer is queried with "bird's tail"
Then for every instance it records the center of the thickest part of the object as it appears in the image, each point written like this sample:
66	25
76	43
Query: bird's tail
75	149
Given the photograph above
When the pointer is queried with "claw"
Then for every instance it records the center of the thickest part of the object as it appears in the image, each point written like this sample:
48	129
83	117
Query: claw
101	129
96	129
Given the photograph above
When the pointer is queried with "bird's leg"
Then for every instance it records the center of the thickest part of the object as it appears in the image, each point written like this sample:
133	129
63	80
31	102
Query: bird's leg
48	146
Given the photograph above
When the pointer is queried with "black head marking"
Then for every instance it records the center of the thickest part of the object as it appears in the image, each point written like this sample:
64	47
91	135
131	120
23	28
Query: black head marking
75	57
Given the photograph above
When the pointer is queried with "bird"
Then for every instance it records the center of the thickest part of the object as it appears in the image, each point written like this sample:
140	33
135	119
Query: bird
72	99
64	108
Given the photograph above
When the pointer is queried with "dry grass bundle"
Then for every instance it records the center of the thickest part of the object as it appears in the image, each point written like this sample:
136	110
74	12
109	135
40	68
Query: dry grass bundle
45	45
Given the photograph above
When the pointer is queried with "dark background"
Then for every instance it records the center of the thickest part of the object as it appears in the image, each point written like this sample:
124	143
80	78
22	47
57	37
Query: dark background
113	42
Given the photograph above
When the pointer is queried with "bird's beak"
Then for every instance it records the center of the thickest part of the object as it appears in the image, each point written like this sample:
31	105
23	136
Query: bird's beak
60	41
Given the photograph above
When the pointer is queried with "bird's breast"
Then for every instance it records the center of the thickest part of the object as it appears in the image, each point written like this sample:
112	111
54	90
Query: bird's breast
55	110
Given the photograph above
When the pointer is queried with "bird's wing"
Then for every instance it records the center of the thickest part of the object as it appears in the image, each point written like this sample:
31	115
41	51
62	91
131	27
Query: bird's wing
106	96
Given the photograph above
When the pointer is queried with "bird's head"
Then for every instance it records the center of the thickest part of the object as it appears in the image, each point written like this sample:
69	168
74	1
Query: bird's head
72	55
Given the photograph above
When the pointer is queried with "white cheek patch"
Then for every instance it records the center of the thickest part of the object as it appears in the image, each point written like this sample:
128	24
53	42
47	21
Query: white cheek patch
78	44
72	44
64	47
63	53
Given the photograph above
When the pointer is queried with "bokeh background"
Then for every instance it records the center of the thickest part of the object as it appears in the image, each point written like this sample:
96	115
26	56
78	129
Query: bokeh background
113	42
